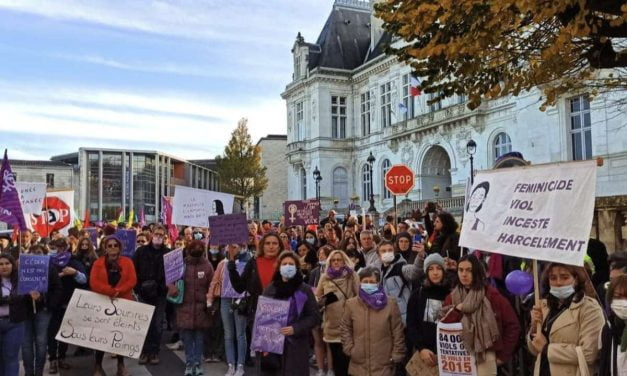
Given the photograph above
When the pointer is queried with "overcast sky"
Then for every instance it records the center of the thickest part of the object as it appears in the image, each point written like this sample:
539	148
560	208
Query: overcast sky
173	76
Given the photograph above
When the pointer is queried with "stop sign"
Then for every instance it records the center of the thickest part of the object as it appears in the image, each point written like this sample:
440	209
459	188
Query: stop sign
399	180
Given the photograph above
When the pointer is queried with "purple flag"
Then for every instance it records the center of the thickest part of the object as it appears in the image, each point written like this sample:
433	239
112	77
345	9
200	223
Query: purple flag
10	205
270	317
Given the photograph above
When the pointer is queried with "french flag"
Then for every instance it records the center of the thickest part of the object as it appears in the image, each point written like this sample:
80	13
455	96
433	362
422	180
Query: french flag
414	86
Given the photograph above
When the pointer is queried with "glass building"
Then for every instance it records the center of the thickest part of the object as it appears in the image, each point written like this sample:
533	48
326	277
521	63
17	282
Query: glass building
112	180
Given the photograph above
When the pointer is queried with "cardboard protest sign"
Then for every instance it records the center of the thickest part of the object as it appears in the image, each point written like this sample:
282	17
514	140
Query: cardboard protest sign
193	207
98	322
228	229
453	357
227	287
31	196
529	211
56	213
174	266
129	240
302	212
32	274
270	317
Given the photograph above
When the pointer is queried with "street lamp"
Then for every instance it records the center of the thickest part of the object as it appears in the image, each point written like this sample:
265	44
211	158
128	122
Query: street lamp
317	179
370	161
471	148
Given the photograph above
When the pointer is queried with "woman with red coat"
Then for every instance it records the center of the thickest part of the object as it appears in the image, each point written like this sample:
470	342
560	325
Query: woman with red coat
490	326
112	275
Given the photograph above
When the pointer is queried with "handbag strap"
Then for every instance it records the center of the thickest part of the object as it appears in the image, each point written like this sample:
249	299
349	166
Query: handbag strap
339	288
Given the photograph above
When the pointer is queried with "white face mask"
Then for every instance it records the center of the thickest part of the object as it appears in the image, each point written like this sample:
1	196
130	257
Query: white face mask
387	257
619	306
562	292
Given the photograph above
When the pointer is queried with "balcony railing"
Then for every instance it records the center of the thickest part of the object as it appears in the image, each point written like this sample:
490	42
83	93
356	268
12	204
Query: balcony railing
453	205
450	113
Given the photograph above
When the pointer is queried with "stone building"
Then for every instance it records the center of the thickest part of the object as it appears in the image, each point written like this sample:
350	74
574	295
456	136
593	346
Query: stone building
348	99
273	157
56	175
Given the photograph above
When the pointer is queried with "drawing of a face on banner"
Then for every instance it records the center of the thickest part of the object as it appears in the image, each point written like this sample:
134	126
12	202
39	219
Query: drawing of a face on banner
217	208
475	203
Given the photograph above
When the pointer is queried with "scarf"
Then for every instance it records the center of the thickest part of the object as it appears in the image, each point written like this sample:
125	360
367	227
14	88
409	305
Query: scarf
285	290
480	330
60	260
623	340
337	273
377	300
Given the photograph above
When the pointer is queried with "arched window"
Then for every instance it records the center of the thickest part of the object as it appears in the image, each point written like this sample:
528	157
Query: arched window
502	145
303	178
385	168
340	186
366	175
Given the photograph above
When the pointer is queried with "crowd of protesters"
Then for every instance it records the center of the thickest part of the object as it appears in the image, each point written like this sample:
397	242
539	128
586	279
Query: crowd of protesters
364	299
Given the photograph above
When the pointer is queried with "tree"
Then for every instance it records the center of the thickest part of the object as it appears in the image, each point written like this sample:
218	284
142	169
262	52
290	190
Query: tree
239	169
487	49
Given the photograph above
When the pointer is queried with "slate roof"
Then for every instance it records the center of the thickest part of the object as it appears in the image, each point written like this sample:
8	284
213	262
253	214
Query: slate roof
344	40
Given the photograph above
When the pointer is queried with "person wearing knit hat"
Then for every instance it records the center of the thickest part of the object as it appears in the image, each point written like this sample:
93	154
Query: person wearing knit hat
403	246
433	258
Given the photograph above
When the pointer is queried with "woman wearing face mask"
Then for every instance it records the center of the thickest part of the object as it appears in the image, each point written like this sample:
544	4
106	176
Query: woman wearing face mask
397	275
12	314
215	256
423	308
191	315
257	274
571	321
490	328
112	275
321	349
233	321
613	354
311	238
337	284
287	284
372	330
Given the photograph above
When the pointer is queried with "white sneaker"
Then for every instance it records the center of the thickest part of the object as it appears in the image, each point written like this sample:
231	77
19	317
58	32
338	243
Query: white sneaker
230	371
330	373
320	372
239	371
178	345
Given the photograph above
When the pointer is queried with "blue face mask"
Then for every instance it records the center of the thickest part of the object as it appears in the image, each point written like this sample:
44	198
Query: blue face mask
288	271
562	292
370	288
214	251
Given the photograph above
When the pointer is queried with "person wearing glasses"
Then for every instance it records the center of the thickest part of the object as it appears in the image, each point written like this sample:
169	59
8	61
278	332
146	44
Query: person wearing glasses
151	289
112	275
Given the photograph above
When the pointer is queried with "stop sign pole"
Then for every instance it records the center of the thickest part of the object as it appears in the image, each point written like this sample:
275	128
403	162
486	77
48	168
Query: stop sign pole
399	180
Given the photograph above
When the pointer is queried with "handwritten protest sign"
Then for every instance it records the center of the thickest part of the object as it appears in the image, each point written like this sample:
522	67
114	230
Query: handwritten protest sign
270	317
173	265
31	196
228	229
528	211
97	322
33	274
453	357
301	213
227	287
129	240
193	207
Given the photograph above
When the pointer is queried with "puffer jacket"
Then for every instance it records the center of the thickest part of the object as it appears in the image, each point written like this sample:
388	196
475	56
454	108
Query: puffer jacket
332	318
576	330
374	340
397	280
192	313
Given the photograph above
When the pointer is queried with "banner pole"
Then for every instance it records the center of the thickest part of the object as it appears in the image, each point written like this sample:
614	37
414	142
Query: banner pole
536	287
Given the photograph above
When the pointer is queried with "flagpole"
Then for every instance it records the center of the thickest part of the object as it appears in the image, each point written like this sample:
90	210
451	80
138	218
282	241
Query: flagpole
46	214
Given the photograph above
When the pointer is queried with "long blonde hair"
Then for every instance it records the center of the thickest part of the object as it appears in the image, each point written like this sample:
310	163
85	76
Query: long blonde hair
347	261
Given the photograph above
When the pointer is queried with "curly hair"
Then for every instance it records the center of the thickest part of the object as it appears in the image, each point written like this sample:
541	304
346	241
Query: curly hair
449	225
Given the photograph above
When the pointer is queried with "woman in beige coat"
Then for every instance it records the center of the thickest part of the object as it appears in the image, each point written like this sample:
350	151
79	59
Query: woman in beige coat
571	322
337	284
372	329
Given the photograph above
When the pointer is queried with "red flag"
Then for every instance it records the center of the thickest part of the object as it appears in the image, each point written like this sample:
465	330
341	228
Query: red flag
86	218
414	86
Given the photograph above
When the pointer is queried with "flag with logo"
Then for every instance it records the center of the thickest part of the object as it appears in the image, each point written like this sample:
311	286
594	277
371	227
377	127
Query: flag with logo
10	204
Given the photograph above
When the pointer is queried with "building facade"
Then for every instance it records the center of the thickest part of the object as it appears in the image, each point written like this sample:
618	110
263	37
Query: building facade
348	99
110	180
273	157
56	175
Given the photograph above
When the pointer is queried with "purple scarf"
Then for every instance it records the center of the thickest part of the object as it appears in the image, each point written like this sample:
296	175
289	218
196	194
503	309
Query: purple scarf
297	303
337	273
377	300
60	260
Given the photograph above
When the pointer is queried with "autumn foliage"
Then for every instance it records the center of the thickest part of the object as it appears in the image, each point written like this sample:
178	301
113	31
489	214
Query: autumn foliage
491	48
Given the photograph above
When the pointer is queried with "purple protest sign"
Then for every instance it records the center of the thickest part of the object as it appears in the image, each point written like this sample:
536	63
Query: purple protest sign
270	317
301	213
228	229
32	274
173	265
227	287
129	240
10	204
